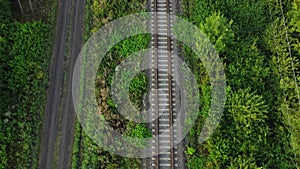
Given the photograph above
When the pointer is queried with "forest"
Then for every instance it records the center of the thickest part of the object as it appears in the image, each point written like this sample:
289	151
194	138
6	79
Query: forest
24	60
257	41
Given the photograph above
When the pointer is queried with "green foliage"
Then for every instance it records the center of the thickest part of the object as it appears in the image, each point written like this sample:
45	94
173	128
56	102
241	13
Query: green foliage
243	131
76	152
218	29
259	128
5	12
197	10
282	64
260	125
138	131
190	151
137	89
104	11
294	16
24	49
294	24
246	108
243	162
23	56
247	67
248	129
98	13
28	58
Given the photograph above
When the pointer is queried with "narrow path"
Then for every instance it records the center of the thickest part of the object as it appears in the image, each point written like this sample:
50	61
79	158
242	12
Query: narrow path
68	117
54	107
56	81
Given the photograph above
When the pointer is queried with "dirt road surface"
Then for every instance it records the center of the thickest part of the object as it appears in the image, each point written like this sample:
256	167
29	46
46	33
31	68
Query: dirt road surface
59	101
68	117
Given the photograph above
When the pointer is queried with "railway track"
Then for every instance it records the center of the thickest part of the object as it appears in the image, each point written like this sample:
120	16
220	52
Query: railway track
163	87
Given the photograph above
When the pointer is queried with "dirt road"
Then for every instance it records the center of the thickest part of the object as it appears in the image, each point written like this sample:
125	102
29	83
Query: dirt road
59	102
68	117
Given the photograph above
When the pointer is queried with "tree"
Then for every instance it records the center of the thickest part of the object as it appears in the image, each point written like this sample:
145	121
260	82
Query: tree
294	24
246	127
218	29
285	66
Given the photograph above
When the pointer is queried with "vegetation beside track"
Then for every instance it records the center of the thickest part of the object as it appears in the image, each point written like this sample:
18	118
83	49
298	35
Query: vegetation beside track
260	125
86	154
